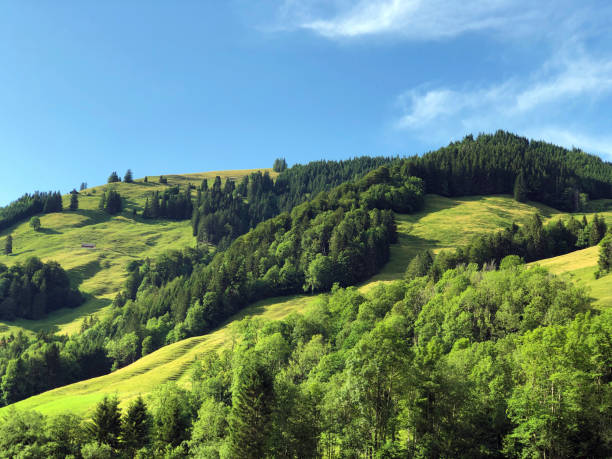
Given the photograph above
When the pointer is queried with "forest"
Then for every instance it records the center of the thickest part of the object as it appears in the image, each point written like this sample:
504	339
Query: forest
482	363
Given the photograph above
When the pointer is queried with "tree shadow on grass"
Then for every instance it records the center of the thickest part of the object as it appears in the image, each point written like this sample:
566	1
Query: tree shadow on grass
48	231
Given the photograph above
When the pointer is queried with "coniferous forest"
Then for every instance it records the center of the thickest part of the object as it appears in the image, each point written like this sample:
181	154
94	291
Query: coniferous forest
472	354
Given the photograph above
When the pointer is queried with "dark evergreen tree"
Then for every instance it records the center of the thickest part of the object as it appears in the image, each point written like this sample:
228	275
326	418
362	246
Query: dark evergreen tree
136	427
146	179
252	402
520	188
128	176
83	186
74	200
8	245
106	422
279	165
113	178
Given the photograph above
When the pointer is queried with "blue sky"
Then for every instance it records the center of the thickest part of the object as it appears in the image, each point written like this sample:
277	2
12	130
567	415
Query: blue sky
173	87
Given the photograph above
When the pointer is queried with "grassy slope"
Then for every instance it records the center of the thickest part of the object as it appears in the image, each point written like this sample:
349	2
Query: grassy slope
119	239
443	223
580	266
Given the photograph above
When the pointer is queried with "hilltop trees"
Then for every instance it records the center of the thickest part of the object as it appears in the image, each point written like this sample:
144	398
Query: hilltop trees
74	200
279	165
128	176
113	178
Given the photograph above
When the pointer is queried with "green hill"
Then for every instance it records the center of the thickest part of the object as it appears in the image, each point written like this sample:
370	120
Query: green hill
100	272
443	223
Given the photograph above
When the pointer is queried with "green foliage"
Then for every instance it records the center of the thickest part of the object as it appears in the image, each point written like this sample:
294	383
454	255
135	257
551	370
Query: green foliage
8	245
250	418
35	223
22	434
280	164
111	202
420	265
74	200
136	427
604	261
128	176
520	188
105	423
113	178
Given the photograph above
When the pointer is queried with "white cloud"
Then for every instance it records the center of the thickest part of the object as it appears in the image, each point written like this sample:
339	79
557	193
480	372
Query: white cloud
529	105
414	19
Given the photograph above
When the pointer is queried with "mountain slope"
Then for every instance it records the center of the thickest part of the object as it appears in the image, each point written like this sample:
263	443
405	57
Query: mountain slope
443	223
100	272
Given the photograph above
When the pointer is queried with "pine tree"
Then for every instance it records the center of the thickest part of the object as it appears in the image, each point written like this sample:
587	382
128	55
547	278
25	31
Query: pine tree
128	176
251	410
520	188
136	426
8	245
106	422
113	177
146	179
74	200
83	186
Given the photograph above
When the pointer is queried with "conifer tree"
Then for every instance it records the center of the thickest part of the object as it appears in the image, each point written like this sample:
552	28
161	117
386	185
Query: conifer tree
106	422
520	188
74	200
136	426
146	179
83	186
8	245
251	410
113	178
128	176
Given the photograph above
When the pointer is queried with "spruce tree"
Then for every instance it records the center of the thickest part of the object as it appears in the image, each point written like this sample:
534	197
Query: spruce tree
8	245
136	426
251	410
74	200
113	177
520	188
128	176
106	422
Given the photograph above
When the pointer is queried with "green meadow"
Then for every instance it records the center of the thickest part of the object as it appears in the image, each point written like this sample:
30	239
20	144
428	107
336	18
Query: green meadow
118	239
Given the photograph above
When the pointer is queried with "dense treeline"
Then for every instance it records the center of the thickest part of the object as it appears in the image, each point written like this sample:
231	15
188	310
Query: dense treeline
531	242
172	204
224	211
34	289
29	205
508	363
506	163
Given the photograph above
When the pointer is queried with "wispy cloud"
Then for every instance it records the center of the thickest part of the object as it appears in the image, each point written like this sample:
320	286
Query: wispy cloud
529	105
413	19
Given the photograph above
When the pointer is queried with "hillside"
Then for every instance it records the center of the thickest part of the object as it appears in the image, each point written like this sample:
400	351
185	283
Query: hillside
100	272
435	227
580	267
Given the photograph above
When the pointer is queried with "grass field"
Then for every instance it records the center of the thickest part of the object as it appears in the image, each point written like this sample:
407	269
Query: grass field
450	222
100	272
580	266
443	223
